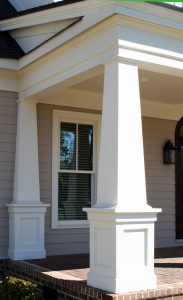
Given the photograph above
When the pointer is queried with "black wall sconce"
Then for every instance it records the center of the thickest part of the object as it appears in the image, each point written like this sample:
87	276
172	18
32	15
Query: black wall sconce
168	153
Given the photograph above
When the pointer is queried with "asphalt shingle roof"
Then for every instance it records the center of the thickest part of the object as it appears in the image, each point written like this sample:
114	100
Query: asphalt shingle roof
8	47
6	9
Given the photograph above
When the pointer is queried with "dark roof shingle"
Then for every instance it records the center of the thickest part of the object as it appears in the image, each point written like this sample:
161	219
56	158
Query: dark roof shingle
6	9
8	47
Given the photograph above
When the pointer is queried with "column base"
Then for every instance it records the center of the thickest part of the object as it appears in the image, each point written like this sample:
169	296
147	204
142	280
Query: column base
26	231
122	249
25	254
123	284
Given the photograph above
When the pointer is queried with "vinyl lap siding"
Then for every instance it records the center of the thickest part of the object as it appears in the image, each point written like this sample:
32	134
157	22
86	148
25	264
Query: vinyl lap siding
160	184
8	120
58	241
160	178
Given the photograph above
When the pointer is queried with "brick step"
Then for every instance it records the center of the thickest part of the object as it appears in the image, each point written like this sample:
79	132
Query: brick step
58	285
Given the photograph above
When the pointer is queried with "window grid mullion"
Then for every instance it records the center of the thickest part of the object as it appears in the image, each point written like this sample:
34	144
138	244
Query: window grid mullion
77	138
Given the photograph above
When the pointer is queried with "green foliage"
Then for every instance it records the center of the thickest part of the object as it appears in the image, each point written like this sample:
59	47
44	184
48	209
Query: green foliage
12	288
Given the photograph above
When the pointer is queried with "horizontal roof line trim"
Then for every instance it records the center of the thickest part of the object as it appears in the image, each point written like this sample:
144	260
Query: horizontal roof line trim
39	8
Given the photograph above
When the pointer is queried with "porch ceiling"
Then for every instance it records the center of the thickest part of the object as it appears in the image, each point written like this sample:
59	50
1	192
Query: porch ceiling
155	87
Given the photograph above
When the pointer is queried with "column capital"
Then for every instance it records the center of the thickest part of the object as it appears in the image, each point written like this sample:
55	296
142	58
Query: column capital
118	59
27	100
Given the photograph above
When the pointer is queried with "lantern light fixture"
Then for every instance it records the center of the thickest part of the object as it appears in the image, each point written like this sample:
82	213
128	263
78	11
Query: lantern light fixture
168	153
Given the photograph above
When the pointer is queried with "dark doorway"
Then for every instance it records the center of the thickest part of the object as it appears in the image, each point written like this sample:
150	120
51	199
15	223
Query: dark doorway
179	179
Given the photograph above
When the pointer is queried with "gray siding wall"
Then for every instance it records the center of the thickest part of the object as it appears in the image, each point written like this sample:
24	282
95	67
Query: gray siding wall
160	184
8	120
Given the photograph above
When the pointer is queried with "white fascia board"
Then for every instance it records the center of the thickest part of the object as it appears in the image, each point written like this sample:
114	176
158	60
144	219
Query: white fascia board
54	14
151	13
144	11
8	64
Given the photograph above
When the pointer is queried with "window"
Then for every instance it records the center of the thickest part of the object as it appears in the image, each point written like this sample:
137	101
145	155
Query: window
74	167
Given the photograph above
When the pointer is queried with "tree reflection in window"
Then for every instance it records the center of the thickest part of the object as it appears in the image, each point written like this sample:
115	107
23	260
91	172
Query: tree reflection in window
68	146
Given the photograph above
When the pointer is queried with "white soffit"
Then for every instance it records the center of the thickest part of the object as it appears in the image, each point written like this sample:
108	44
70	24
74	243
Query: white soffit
154	87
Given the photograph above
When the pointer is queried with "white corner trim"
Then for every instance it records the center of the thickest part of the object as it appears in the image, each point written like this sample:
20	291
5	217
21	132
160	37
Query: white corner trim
58	116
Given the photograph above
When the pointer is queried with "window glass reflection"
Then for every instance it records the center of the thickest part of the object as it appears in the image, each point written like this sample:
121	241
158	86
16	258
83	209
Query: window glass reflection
85	147
68	146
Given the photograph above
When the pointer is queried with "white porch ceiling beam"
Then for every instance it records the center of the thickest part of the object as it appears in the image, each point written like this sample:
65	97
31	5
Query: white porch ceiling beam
98	46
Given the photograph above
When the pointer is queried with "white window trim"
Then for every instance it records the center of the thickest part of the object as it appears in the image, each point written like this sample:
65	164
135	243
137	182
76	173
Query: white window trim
78	117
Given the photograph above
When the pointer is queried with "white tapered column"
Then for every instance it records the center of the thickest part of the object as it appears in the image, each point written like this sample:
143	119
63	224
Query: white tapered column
26	212
121	223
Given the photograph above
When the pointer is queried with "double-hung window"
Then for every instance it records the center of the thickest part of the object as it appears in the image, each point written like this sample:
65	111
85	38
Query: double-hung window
74	167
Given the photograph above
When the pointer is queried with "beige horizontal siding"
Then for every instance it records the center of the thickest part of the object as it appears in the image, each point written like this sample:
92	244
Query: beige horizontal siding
8	120
58	241
160	180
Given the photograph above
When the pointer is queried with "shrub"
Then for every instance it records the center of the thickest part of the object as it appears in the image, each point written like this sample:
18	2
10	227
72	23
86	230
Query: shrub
12	288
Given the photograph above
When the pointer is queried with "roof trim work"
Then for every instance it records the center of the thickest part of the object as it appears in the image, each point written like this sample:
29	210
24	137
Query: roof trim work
148	11
17	14
166	5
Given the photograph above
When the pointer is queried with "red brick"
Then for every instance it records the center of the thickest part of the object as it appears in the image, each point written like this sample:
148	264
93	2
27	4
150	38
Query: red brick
151	294
139	295
127	297
82	296
120	297
133	297
109	297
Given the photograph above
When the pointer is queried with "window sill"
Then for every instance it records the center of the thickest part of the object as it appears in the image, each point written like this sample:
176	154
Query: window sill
179	241
71	224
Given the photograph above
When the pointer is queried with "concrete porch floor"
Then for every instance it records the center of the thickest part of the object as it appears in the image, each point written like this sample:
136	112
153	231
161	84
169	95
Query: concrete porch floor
67	274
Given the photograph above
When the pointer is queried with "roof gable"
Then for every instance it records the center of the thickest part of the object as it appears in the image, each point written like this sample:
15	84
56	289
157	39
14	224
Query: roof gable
29	38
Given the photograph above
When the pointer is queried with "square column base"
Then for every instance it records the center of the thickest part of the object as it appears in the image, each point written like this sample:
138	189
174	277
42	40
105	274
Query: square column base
122	284
26	231
121	250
